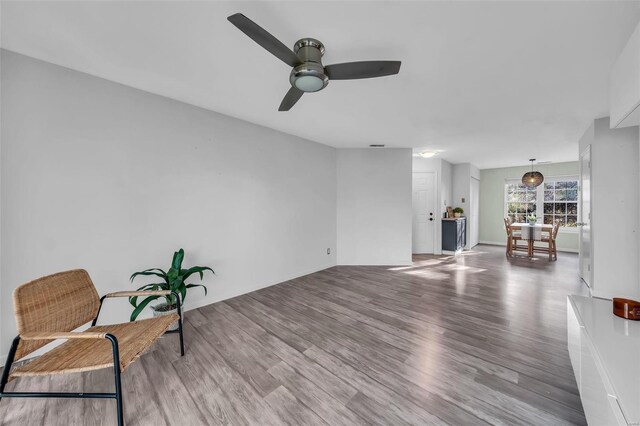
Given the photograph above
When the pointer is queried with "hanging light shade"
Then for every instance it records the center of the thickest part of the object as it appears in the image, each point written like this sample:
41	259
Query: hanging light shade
532	179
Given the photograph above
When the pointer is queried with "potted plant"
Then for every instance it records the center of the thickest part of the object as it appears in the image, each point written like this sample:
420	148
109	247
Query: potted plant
532	219
173	279
457	212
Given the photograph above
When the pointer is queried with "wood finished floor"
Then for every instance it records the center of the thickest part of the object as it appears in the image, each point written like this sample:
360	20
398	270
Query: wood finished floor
473	339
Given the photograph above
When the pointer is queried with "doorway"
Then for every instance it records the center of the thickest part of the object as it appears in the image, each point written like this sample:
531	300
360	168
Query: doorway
586	270
424	212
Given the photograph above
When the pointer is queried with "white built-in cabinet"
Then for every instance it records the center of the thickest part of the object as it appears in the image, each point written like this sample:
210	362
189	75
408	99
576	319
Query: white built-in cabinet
604	352
624	85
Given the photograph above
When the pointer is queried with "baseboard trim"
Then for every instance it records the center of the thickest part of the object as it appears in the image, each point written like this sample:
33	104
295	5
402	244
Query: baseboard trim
493	243
503	244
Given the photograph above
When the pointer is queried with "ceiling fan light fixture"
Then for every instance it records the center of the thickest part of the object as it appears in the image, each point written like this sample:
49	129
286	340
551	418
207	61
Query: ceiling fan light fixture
308	77
309	83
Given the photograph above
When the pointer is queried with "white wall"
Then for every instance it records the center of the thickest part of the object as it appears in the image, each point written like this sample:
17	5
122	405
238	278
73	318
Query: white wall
461	186
101	176
374	206
2	353
614	196
446	186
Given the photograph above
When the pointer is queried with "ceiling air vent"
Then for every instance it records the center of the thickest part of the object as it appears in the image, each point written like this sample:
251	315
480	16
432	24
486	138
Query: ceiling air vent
376	146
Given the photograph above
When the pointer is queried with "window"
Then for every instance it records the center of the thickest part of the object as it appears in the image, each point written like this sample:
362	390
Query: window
556	198
521	201
561	202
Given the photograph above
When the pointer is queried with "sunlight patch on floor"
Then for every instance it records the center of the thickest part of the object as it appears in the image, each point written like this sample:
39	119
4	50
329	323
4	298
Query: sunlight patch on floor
456	267
429	273
441	268
421	263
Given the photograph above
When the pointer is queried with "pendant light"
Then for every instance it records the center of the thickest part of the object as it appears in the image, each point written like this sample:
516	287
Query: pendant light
532	179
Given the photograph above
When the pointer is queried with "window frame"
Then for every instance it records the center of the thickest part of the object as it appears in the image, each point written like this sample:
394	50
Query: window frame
540	198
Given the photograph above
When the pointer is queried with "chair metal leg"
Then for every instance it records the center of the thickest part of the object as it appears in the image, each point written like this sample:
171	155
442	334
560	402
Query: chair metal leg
181	337
180	332
7	365
118	381
95	320
116	373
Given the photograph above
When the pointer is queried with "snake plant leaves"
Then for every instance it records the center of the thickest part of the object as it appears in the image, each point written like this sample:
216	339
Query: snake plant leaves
148	272
178	256
142	305
199	269
173	280
198	285
155	286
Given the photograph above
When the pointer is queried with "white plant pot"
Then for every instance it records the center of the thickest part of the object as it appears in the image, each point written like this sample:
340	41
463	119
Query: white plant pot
160	313
457	214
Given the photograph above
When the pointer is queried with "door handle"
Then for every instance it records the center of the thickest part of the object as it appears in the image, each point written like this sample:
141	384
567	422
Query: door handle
430	218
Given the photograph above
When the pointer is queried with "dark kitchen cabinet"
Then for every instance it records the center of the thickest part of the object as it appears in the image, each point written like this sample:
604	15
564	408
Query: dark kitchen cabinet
454	234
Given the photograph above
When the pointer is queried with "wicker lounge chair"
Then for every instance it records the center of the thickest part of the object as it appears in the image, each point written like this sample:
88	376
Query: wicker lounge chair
51	307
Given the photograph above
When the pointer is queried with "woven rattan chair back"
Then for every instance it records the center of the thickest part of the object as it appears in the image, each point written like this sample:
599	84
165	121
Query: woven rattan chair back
58	302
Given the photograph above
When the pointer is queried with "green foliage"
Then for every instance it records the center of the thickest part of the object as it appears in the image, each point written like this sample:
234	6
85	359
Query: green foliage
173	279
458	210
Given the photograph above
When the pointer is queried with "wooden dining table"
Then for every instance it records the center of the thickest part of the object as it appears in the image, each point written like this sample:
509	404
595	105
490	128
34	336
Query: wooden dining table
532	233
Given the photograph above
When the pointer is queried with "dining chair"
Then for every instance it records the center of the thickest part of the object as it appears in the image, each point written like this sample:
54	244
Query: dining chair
512	238
554	235
550	240
516	233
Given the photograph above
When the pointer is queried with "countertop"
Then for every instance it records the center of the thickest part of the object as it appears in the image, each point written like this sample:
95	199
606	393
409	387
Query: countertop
617	342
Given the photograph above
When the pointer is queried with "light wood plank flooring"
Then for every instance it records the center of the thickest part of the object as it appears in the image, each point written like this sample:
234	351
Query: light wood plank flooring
473	339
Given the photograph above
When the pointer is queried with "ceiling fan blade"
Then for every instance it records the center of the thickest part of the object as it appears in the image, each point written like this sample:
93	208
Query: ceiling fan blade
264	39
290	99
364	69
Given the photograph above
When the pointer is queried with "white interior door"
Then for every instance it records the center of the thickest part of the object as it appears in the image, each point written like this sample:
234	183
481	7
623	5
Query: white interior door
474	219
586	271
424	212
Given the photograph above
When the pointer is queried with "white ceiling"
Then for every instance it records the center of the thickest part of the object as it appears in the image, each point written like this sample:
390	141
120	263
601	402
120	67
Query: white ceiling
491	83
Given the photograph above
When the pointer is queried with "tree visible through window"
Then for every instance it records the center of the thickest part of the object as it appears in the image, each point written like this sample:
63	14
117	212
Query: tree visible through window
561	202
556	198
521	201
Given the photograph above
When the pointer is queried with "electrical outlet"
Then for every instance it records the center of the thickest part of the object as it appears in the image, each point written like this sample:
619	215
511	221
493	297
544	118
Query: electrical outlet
328	251
463	199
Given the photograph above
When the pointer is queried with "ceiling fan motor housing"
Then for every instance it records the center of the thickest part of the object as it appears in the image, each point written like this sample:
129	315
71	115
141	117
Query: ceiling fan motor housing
309	76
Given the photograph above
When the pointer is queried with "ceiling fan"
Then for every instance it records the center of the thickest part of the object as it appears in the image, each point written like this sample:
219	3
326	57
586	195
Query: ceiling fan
308	73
